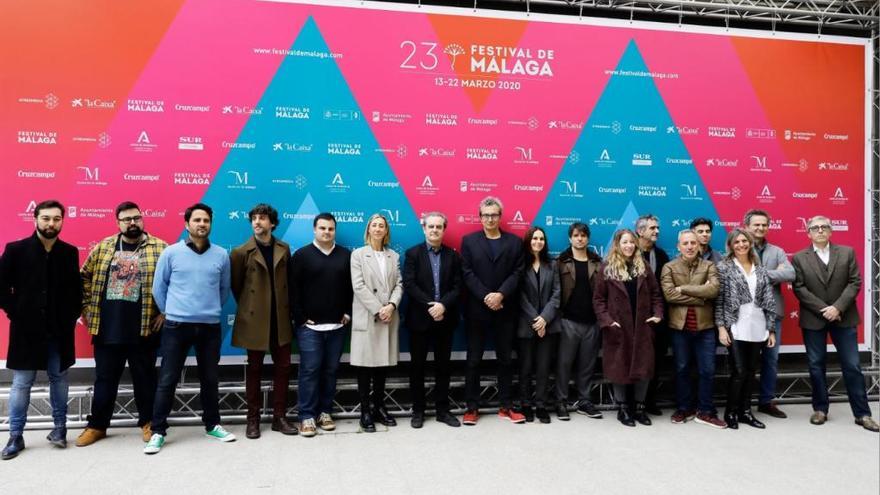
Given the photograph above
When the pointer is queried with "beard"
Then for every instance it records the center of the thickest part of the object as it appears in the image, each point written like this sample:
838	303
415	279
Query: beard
49	233
133	232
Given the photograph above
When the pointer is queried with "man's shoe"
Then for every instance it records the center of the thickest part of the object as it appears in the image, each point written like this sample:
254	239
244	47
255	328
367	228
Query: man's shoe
588	409
382	415
772	410
325	422
868	423
366	422
58	437
280	424
542	415
710	420
529	413
448	419
252	430
653	409
417	420
307	428
562	412
640	415
625	417
818	418
155	444
749	419
221	434
731	420
147	431
681	417
511	415
471	416
13	447
89	436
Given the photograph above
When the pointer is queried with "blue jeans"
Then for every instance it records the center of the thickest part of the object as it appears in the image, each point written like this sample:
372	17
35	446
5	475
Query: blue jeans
845	342
700	346
770	368
177	339
319	354
20	393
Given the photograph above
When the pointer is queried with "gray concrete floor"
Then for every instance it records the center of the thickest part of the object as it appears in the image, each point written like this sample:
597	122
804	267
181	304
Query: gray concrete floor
582	456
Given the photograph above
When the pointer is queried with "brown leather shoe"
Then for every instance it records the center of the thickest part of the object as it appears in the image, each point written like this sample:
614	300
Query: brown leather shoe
147	431
252	430
818	418
772	410
280	424
868	423
90	436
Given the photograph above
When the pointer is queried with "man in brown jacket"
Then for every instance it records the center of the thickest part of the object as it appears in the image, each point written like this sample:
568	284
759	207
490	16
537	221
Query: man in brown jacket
690	284
262	321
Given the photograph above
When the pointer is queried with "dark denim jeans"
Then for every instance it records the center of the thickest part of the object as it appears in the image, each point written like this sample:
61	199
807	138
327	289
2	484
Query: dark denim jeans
177	339
20	393
700	347
845	342
319	353
109	365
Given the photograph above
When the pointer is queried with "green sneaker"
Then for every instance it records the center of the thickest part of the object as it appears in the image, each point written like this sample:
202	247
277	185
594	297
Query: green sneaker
155	444
221	434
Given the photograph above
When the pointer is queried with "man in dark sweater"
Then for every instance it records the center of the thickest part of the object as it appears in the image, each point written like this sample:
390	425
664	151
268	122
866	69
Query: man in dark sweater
321	297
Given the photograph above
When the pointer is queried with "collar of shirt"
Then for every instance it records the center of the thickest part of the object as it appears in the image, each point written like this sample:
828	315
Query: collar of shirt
326	252
190	244
824	251
432	249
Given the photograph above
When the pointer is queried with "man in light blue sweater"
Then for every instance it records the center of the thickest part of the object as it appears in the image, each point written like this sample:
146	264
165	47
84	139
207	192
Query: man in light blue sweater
191	283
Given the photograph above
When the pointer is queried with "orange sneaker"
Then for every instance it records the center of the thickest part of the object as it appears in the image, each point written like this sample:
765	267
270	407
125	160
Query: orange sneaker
511	415
470	417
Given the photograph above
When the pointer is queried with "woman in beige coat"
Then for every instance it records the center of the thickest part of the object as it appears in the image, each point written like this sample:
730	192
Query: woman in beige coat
375	278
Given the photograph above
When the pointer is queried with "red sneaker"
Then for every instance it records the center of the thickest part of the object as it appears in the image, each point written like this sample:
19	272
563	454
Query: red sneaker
710	420
470	417
511	415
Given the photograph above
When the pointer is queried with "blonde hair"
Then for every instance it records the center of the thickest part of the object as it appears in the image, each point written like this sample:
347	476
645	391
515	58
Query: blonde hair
387	240
615	261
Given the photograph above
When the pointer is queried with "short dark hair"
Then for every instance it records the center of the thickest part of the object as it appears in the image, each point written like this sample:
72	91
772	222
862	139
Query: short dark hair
126	205
265	209
323	216
47	204
747	219
198	206
578	227
701	221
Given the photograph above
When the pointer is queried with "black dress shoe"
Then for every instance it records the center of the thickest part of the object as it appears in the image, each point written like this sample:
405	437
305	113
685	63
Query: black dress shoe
731	420
625	417
542	415
366	422
750	420
772	410
417	420
448	418
562	412
281	425
13	447
640	415
252	430
382	415
529	413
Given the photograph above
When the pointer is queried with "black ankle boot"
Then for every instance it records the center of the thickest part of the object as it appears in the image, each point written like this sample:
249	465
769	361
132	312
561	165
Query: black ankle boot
382	415
731	419
641	415
624	416
366	421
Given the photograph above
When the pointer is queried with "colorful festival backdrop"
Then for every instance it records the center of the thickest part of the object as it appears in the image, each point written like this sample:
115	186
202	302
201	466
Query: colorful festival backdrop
359	110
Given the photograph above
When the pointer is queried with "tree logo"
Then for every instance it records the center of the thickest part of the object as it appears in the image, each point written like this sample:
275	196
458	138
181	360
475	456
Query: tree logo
453	50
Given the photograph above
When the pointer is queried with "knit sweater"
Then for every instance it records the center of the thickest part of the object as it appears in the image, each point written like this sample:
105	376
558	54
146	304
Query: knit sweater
190	287
320	285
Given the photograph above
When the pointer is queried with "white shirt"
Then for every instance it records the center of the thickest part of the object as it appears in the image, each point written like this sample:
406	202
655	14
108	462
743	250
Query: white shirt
751	325
380	260
823	254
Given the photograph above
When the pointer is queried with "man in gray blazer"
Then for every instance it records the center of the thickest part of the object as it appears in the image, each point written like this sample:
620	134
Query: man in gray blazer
757	222
826	284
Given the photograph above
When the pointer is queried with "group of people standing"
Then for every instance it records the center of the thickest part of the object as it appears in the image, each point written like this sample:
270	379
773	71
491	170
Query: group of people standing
136	294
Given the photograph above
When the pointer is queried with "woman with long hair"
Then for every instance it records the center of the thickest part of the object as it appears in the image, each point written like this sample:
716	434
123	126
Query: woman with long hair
375	278
628	303
538	327
745	314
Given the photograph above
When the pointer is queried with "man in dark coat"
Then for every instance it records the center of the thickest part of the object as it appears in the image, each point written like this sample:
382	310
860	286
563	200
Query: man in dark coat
41	293
648	230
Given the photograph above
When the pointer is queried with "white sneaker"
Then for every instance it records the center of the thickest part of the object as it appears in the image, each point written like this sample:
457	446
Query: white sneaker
155	444
221	434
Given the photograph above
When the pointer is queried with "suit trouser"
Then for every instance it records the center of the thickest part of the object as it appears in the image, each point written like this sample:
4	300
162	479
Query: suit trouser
418	345
662	341
536	353
504	332
280	382
577	342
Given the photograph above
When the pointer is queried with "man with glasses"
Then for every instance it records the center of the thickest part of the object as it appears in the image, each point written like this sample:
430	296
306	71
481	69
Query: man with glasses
826	284
123	319
492	263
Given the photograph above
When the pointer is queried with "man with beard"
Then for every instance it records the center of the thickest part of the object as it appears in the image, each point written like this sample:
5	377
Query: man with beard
41	293
123	319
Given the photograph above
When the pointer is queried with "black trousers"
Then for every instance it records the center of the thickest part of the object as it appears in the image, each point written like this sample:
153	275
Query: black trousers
418	346
536	354
109	364
504	332
663	363
371	385
744	358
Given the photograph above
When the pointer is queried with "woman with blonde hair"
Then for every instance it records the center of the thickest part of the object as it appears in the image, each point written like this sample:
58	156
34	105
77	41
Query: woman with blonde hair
378	288
628	303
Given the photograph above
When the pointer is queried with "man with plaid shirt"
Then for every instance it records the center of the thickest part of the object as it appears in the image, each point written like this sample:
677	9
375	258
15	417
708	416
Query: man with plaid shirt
123	319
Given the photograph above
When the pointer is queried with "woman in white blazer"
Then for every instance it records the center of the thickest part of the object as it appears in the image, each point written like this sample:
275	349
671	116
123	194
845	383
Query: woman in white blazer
375	278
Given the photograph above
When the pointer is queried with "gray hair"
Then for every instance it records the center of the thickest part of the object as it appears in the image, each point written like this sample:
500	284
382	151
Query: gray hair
491	201
818	218
429	214
685	232
643	220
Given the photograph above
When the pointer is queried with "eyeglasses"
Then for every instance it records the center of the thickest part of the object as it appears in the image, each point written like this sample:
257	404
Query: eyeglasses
817	228
135	219
490	216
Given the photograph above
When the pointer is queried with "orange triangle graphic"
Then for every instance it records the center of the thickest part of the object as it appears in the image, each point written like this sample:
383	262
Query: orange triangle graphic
457	34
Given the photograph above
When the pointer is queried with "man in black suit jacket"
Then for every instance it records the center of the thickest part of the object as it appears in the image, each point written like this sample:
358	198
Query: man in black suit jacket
41	293
432	282
492	262
648	230
826	283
